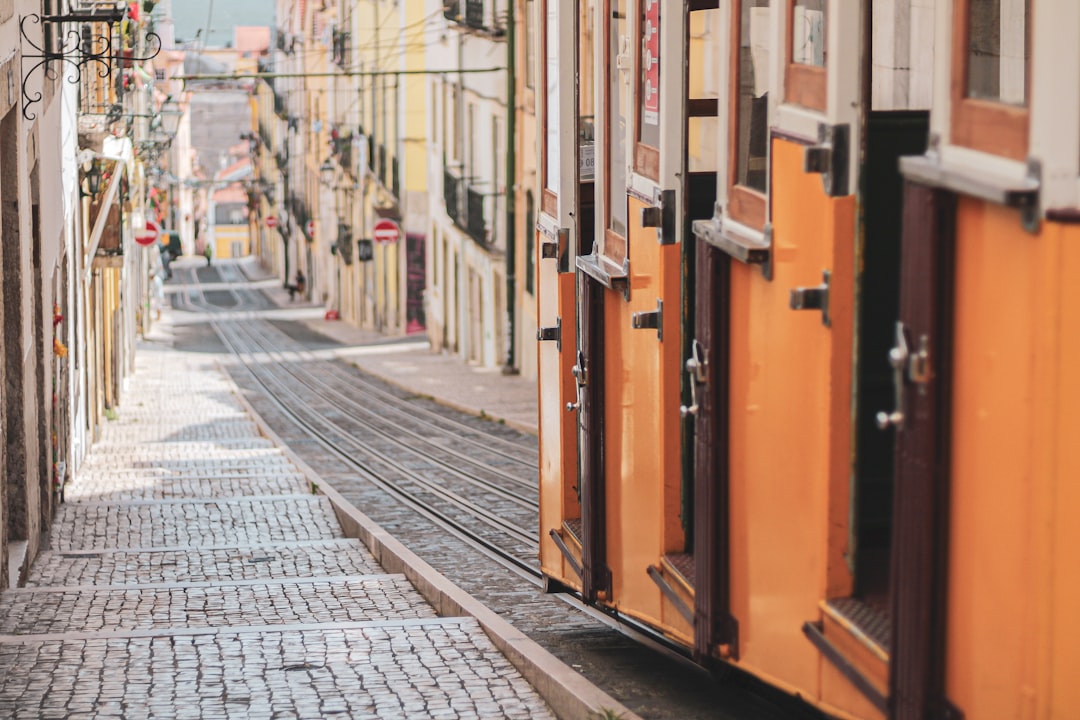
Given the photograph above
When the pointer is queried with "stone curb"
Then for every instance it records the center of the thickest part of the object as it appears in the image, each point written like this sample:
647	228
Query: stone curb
568	693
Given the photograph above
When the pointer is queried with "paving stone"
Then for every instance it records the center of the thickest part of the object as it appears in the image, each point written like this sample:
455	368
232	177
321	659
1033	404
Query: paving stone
191	574
242	522
323	558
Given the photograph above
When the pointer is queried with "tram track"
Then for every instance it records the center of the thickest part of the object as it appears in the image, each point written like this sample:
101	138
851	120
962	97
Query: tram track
424	494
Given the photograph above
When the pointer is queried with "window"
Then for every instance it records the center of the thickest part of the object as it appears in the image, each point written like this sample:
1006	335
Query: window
530	243
804	79
530	44
704	70
618	106
991	69
551	107
647	154
750	121
997	51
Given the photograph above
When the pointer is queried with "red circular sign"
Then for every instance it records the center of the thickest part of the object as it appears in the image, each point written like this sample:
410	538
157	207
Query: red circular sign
271	221
310	227
148	235
386	231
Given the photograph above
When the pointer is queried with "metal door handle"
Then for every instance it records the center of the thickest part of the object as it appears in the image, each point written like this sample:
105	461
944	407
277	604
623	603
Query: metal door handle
898	358
697	369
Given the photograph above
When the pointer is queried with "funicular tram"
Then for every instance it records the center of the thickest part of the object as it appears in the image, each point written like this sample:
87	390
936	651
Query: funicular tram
810	370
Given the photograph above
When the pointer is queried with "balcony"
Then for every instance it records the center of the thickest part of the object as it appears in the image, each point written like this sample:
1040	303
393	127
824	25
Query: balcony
475	225
474	13
452	195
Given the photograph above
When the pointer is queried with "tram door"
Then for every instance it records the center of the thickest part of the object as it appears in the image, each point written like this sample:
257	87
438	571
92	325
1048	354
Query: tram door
562	234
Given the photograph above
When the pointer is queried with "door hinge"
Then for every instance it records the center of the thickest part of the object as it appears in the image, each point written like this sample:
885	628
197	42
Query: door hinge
547	334
650	320
662	217
830	157
815	298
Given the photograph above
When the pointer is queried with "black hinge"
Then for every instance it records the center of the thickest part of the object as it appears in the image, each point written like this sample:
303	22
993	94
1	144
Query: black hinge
662	217
547	334
830	158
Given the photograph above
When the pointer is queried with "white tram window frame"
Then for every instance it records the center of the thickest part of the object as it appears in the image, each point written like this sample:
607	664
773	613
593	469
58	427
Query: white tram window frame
1053	106
650	170
843	59
745	204
557	150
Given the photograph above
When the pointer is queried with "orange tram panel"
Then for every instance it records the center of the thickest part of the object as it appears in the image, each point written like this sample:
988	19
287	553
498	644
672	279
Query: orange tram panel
810	347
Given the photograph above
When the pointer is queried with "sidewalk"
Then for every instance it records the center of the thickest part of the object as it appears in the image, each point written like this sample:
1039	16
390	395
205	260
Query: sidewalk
409	362
191	573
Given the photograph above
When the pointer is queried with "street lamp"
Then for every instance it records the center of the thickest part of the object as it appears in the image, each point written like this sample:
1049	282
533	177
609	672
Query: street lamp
170	114
93	179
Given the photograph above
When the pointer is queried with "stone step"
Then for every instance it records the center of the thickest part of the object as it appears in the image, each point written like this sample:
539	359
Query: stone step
313	558
239	521
41	611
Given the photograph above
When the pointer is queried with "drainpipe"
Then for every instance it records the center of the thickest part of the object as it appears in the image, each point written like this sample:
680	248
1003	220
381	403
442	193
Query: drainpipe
510	193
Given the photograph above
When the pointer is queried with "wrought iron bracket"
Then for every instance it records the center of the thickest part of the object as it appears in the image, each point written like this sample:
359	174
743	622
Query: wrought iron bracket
76	49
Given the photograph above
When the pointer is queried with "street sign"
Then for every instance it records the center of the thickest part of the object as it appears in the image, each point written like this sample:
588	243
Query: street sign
386	231
149	234
271	221
310	228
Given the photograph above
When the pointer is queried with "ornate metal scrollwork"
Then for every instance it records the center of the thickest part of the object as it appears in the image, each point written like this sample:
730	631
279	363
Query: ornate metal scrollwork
77	49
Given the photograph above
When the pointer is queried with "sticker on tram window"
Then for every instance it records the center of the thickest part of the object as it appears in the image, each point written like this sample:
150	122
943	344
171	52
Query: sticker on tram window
808	33
650	64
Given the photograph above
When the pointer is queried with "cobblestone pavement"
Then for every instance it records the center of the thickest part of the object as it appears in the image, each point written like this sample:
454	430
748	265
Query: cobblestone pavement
192	574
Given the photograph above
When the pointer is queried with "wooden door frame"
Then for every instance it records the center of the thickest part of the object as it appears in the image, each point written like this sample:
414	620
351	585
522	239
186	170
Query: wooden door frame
596	576
920	548
713	625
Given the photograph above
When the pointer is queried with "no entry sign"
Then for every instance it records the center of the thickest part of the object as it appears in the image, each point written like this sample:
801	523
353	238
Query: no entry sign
271	221
148	235
386	231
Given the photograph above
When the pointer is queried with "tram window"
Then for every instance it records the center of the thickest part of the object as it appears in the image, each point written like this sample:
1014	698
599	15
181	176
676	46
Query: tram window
808	33
751	121
998	50
991	63
804	79
649	62
704	69
551	107
618	106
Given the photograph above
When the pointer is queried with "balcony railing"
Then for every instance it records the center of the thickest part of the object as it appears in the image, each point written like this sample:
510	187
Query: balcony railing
474	13
452	195
342	46
475	225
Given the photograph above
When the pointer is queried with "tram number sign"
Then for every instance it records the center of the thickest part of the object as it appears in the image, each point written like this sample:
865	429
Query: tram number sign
386	231
365	250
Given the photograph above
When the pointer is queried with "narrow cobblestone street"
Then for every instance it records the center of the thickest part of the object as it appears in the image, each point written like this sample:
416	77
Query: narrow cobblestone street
192	573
